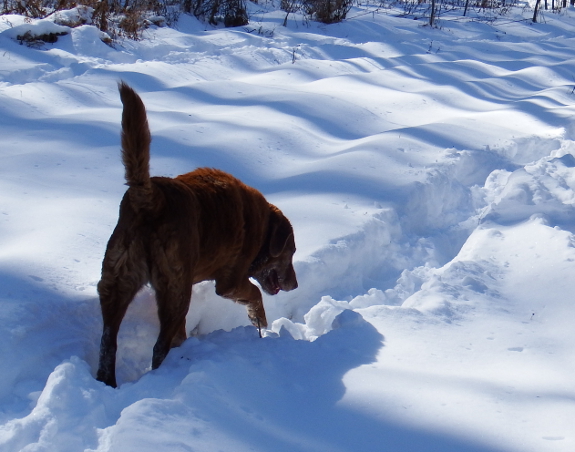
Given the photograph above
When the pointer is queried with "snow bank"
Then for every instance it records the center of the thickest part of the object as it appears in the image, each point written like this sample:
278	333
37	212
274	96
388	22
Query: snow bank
227	378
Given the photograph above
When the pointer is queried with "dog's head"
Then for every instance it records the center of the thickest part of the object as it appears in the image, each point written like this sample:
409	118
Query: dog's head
273	268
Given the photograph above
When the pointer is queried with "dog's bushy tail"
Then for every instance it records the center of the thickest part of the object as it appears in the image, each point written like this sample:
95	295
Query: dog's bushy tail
136	141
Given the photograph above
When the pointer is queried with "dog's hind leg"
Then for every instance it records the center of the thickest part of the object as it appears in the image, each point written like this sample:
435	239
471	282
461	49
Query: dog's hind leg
173	297
121	280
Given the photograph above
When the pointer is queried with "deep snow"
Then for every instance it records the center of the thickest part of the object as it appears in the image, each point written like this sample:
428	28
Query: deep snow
430	178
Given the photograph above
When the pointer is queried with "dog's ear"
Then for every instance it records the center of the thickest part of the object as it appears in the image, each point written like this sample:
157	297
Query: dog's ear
280	231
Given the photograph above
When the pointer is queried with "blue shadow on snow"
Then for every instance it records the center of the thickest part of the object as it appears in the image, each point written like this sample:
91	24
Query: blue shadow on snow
286	395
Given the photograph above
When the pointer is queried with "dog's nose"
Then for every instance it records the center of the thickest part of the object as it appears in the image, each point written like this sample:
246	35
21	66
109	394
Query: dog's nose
291	280
294	282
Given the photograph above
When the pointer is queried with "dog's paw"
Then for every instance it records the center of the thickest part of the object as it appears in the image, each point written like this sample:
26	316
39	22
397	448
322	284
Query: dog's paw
258	318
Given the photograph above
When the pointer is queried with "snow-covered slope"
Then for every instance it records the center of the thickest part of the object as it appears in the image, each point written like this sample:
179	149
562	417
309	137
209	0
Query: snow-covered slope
430	178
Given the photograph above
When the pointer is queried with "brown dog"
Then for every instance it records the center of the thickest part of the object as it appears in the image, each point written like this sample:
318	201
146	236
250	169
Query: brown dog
173	233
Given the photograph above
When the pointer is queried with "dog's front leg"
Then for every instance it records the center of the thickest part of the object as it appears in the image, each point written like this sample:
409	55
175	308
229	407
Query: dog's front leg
247	294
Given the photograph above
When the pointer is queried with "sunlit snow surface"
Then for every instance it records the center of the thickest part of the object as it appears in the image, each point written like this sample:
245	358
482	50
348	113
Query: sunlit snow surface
430	178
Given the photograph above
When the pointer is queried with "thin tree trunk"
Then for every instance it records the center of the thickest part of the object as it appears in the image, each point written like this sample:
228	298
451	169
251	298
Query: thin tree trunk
536	11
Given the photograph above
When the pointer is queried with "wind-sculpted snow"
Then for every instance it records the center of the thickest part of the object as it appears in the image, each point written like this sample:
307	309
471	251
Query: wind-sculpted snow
429	174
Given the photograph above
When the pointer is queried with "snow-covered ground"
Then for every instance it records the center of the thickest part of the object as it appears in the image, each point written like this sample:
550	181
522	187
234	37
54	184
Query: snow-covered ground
430	178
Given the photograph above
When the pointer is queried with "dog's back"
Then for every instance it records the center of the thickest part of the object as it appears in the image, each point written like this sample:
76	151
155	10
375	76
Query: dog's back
233	220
